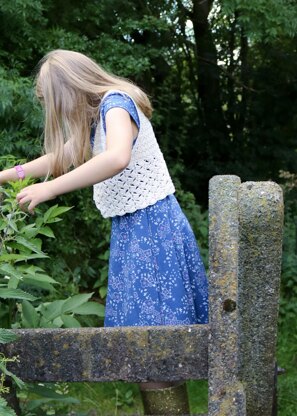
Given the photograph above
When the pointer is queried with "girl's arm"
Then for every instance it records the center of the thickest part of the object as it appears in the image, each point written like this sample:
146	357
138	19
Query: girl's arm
119	136
37	168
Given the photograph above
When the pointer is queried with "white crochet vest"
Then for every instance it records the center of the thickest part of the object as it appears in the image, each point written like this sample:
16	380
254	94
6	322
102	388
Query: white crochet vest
146	179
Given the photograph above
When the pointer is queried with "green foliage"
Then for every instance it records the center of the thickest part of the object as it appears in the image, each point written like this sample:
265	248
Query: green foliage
48	399
91	398
20	243
288	301
4	409
265	19
194	213
81	252
5	337
287	359
288	304
23	285
27	291
286	342
6	373
123	398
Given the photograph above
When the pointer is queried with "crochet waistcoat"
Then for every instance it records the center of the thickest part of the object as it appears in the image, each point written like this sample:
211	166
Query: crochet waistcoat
143	182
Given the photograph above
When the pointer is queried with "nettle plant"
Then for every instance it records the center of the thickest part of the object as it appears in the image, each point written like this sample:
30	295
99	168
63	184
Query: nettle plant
24	285
5	337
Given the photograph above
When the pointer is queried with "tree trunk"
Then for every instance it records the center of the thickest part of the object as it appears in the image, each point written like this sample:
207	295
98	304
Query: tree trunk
209	79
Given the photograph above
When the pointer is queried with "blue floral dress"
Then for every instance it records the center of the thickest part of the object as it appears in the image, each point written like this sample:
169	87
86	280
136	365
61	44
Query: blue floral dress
156	275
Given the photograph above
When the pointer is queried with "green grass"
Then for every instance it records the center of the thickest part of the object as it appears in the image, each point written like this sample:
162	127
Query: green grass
287	359
104	399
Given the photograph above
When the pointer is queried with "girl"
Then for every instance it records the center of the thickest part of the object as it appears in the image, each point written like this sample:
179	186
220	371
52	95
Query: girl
156	276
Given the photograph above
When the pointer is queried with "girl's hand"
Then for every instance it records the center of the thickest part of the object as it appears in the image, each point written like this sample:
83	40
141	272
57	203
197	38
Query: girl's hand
35	194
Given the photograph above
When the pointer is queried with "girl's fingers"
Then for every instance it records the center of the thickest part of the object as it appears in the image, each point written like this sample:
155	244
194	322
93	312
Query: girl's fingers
22	200
31	207
19	197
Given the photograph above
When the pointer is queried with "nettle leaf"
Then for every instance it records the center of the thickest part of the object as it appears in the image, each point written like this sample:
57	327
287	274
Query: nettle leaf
7	336
6	293
4	409
8	269
13	283
76	301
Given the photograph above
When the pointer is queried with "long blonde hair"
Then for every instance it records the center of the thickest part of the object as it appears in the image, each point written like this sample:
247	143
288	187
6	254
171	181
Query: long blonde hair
70	85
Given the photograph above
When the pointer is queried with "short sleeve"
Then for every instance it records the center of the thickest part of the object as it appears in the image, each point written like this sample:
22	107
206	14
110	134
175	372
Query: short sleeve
120	100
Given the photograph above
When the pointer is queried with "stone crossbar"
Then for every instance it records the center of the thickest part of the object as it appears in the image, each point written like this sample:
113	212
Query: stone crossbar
132	354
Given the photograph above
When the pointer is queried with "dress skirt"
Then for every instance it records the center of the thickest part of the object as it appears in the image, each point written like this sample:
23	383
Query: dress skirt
156	274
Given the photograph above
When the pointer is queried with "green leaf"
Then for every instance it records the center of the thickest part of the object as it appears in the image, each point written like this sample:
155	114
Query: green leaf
54	212
103	291
38	277
7	336
50	324
70	322
47	231
28	244
90	308
16	294
21	257
13	283
52	310
4	409
75	301
40	285
8	373
8	269
28	230
13	225
30	316
30	269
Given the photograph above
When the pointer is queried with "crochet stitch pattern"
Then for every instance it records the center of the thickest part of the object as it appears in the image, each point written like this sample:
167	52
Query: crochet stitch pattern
145	181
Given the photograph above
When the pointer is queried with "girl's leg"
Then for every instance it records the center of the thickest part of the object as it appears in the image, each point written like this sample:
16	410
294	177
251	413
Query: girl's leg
164	398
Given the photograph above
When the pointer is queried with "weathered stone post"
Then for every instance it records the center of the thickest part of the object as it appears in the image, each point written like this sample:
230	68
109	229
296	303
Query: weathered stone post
226	395
260	248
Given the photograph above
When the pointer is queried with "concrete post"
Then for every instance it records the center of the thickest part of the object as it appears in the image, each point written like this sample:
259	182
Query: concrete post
226	395
260	249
